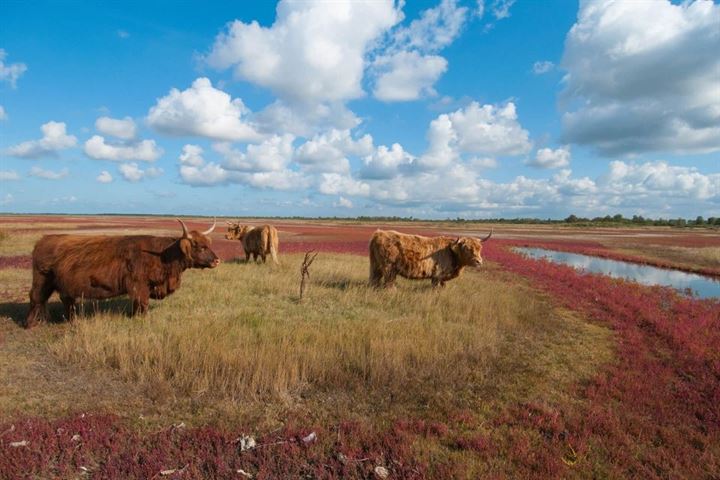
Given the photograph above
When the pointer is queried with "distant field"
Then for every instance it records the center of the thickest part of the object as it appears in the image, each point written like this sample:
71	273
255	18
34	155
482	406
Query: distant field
518	369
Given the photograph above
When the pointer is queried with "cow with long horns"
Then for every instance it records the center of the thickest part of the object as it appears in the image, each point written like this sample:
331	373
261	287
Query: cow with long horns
416	257
100	267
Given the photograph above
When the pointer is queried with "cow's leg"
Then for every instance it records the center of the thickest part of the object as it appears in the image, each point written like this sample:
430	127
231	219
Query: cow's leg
376	273
247	256
262	255
141	300
43	286
140	306
70	307
255	257
390	279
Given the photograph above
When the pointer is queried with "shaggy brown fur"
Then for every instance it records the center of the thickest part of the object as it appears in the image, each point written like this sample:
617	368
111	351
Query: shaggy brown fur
257	241
99	267
416	257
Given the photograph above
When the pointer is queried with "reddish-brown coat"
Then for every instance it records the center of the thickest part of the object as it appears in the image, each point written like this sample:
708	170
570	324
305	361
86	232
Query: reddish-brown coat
416	257
257	241
100	267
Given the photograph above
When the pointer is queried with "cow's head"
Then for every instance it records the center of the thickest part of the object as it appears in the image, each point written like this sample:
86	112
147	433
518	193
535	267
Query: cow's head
236	231
195	246
233	230
468	250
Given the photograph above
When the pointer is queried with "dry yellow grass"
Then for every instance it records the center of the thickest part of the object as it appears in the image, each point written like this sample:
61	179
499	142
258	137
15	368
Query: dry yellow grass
708	254
14	243
238	337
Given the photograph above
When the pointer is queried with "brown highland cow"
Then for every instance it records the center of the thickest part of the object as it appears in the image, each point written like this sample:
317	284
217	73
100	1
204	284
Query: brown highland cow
256	241
415	257
100	267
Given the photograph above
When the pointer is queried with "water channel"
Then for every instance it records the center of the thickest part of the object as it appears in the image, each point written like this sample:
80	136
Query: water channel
704	287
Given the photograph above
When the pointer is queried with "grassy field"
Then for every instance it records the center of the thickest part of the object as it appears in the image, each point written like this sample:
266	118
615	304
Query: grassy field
237	345
517	369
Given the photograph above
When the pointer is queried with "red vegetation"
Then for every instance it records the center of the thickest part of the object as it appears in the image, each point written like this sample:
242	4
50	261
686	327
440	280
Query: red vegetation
352	247
655	412
17	261
103	447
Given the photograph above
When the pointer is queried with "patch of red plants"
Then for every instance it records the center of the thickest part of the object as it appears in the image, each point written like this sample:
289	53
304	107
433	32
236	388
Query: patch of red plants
655	411
598	250
17	261
351	247
103	447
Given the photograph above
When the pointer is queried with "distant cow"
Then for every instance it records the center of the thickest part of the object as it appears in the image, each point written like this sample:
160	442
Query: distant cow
256	241
416	257
99	267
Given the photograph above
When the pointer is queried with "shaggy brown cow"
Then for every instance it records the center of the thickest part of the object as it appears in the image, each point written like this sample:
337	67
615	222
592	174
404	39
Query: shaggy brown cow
415	257
258	241
99	267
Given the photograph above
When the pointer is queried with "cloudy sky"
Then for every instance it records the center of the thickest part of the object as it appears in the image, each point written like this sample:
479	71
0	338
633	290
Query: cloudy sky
432	109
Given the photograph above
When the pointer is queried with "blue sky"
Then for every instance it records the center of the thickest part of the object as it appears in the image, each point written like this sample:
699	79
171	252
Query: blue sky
431	109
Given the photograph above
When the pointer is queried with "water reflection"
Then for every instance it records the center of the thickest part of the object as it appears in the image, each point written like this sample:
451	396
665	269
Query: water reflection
704	287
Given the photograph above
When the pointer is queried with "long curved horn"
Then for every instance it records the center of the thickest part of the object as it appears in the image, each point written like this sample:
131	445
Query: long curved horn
186	234
209	230
488	237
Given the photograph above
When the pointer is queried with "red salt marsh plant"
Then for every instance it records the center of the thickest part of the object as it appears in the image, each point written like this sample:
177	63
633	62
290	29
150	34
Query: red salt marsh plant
651	412
655	412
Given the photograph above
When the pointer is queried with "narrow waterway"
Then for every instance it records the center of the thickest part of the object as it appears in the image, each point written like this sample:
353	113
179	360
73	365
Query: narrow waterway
702	286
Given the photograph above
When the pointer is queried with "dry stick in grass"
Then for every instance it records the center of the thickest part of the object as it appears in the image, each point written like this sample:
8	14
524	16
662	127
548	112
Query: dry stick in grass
304	272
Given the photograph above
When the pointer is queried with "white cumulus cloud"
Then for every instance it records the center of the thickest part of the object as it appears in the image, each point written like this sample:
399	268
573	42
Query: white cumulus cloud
336	184
549	158
343	203
203	111
203	175
272	155
192	156
146	150
314	50
643	76
329	151
10	72
104	177
124	128
488	130
6	175
386	162
133	173
407	75
408	67
54	138
543	66
48	174
436	28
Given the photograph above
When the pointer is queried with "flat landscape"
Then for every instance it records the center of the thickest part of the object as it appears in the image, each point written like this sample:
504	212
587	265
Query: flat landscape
520	368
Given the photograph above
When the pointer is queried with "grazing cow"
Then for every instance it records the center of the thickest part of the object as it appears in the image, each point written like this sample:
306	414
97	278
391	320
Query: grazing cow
415	257
258	241
100	267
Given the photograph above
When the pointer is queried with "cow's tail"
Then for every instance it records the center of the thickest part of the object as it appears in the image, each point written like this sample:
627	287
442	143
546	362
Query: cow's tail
273	244
375	265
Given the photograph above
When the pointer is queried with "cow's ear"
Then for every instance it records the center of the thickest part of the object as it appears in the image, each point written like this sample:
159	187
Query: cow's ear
186	247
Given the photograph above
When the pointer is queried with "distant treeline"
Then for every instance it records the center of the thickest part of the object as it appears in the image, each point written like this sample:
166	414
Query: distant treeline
572	220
